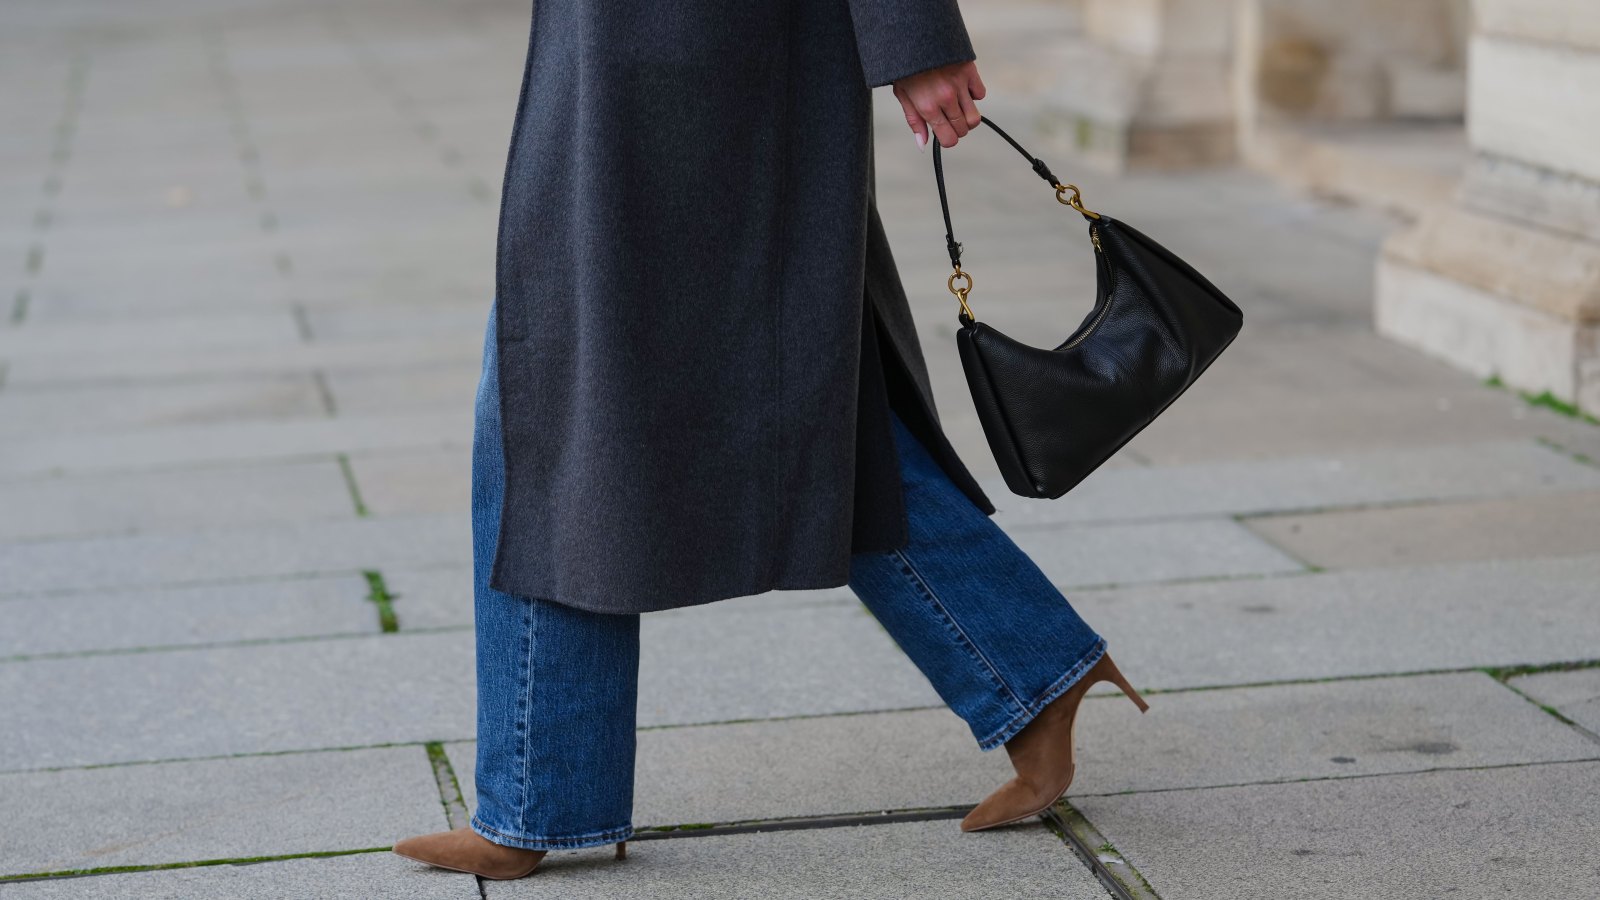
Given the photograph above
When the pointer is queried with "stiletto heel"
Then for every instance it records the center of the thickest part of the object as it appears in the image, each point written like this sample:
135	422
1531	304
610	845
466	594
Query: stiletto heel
1114	675
1042	754
622	849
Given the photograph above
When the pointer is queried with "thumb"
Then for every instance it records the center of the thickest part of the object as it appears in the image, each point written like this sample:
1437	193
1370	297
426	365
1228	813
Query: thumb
914	119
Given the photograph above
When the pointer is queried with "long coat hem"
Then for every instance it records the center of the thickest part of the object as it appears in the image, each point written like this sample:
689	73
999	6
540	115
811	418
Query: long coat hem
700	328
883	386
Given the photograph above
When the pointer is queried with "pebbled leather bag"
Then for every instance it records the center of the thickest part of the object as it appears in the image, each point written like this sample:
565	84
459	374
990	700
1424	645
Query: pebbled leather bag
1052	416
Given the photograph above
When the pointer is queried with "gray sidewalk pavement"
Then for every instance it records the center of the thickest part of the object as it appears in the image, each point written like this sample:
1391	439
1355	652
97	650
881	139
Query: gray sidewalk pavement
247	251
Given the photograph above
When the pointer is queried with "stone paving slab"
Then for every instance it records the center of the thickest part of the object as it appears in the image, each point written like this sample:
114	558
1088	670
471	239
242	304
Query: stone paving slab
401	321
1575	694
82	410
906	861
216	809
361	876
927	758
179	704
1522	831
379	354
1403	619
1294	732
197	444
834	765
234	554
1564	524
136	502
430	481
1469	471
442	597
1133	553
152	332
782	661
1269	422
201	614
440	387
402	687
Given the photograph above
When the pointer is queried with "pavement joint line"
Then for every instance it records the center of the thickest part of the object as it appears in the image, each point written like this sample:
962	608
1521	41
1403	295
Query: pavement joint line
350	484
1545	400
1575	455
306	575
193	864
378	593
799	823
319	379
1504	676
226	645
222	462
1307	779
1551	710
456	813
302	321
1109	866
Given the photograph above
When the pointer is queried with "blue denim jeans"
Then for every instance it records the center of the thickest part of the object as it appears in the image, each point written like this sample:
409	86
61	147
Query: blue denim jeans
558	687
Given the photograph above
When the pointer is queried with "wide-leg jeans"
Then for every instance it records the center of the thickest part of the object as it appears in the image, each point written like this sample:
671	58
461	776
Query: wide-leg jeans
558	686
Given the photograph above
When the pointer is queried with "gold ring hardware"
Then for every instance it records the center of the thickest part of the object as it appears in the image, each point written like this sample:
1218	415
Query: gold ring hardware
1075	201
961	292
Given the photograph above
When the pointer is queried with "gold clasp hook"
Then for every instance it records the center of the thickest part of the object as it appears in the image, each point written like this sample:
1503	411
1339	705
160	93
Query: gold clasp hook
1075	201
961	292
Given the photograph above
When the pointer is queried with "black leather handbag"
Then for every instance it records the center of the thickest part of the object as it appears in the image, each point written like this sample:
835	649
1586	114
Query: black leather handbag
1052	416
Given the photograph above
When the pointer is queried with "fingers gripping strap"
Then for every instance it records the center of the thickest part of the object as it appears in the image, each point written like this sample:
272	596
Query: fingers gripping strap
1039	168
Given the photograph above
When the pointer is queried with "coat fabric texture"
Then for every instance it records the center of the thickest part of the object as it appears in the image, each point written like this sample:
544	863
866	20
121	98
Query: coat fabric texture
701	330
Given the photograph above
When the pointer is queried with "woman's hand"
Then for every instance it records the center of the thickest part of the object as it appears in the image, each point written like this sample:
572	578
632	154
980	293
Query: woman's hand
941	99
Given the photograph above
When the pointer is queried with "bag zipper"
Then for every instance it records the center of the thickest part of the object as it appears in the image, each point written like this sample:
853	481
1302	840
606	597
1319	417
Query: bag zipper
1100	260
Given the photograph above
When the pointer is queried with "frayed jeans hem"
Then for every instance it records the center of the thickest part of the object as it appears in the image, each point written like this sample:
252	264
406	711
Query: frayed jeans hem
573	842
1009	730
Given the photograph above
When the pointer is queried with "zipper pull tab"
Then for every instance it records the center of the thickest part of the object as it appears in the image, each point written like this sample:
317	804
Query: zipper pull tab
1094	235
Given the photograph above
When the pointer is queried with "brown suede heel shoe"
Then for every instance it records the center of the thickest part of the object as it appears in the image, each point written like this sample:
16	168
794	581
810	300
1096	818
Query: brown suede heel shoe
464	850
1041	754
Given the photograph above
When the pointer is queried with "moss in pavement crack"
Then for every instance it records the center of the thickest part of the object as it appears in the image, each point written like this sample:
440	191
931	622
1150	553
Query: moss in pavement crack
378	593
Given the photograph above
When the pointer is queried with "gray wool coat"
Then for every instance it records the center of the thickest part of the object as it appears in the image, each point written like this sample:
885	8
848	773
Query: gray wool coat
701	330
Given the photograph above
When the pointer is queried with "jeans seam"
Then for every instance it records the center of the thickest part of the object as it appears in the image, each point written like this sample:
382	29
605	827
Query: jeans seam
524	714
1029	710
567	842
972	648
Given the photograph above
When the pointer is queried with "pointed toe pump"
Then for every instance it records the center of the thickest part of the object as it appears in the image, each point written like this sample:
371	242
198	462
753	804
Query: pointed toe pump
1041	754
464	850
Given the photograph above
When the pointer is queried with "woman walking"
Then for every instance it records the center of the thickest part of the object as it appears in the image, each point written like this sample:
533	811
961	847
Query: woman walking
701	380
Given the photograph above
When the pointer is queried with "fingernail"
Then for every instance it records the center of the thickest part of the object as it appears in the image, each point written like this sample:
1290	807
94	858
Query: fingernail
922	141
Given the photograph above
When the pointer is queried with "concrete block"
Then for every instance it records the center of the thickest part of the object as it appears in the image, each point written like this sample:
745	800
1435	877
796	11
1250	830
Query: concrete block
29	414
1483	333
813	660
139	502
1395	620
1298	732
1517	831
445	387
245	806
264	698
1565	524
1574	694
223	442
234	554
362	876
1549	21
1134	553
1536	102
916	859
1386	477
832	765
429	481
101	620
